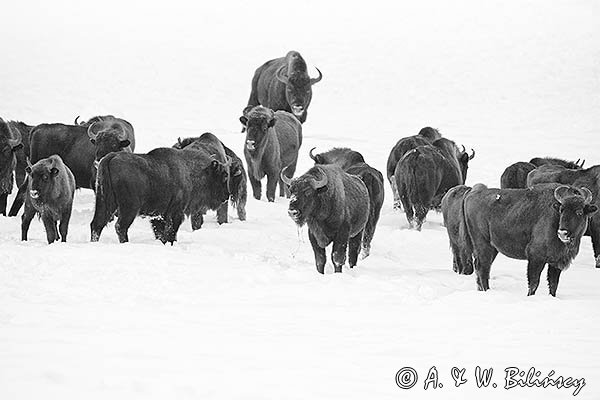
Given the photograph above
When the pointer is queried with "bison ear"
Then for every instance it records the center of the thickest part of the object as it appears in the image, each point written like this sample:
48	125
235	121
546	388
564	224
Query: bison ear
54	171
214	164
271	123
590	209
124	143
244	120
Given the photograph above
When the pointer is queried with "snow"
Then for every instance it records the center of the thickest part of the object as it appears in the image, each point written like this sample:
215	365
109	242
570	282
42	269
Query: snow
238	311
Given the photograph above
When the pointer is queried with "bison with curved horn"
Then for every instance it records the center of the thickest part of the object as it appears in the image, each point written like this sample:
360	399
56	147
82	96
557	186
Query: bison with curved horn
283	84
335	206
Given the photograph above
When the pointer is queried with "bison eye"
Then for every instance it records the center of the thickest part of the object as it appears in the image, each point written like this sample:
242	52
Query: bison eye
579	213
44	177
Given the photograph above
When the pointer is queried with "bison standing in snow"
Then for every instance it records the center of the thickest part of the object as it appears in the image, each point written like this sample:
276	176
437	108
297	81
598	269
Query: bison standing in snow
51	187
335	206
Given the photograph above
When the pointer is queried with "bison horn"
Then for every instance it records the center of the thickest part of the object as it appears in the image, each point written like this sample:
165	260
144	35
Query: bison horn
587	195
582	162
318	79
472	156
463	149
312	156
91	132
284	178
319	183
279	75
563	192
29	162
76	122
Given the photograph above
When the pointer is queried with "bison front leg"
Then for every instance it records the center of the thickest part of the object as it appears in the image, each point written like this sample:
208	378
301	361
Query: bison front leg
63	227
3	199
26	218
594	229
553	276
256	187
408	210
222	213
158	227
271	187
338	252
197	220
320	257
397	202
534	271
19	199
51	230
172	225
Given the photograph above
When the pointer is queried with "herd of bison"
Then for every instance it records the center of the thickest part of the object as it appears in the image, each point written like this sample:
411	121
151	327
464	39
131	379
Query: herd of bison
540	214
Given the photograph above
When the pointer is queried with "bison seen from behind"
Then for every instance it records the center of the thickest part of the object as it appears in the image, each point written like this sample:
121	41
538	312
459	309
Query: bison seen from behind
335	206
51	187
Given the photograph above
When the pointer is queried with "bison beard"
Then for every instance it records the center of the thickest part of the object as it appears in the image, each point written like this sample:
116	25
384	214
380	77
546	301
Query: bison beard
542	225
335	206
166	184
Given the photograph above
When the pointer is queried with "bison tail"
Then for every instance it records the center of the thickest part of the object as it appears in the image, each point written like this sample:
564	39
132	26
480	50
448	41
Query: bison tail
106	202
373	180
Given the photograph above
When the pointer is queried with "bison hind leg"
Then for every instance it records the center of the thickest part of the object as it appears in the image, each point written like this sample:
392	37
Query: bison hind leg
126	217
197	220
222	213
172	225
158	227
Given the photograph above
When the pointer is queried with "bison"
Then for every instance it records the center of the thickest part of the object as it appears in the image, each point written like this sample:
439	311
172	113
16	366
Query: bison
335	206
425	174
237	175
74	145
283	84
515	175
425	136
353	163
454	221
51	187
272	143
109	135
542	225
10	143
165	184
588	178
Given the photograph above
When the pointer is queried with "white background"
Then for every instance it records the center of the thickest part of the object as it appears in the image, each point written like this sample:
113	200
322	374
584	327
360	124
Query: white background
238	311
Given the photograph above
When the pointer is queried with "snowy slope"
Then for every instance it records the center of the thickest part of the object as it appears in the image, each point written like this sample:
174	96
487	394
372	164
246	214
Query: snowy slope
238	311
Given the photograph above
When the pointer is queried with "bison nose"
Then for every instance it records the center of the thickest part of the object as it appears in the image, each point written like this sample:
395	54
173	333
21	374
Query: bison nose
34	194
563	235
250	144
297	110
293	213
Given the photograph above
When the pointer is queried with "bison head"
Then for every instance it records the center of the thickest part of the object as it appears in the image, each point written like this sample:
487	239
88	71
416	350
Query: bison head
41	178
431	134
219	176
304	194
574	207
107	137
298	85
463	160
10	142
257	123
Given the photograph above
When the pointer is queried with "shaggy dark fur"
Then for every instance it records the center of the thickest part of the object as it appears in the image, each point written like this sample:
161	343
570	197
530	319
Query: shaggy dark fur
515	175
10	144
273	140
283	84
353	163
110	134
165	184
50	191
335	206
589	178
454	220
525	224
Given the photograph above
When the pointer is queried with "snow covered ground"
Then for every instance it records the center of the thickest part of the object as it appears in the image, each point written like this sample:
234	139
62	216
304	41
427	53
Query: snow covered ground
238	311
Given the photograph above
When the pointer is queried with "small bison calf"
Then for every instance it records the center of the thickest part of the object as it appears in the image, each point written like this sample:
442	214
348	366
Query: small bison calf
50	195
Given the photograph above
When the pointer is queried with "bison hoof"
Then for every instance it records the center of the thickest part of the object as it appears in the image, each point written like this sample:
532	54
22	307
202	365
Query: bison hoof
338	269
271	199
364	253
